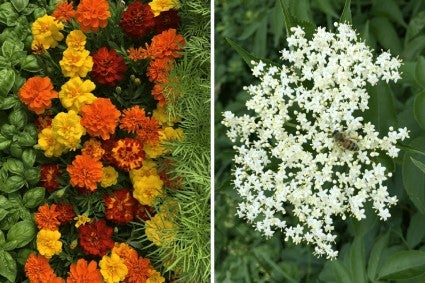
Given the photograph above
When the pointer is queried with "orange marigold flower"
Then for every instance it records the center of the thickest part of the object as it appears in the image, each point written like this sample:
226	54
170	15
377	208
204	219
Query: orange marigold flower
168	44
95	238
100	118
124	251
128	154
93	148
47	217
139	270
137	54
81	272
132	119
64	11
92	14
85	172
159	69
37	93
157	92
48	175
120	207
37	269
148	132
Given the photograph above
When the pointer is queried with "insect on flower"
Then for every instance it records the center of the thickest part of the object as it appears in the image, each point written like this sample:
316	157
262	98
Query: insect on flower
342	140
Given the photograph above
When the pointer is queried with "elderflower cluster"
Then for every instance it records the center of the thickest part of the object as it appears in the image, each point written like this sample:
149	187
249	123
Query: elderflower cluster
305	151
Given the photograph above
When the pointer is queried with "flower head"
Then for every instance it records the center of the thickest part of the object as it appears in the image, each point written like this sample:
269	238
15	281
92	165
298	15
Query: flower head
92	14
155	277
82	271
159	229
159	6
120	207
46	31
96	238
67	129
76	63
109	177
109	67
137	20
66	212
47	142
113	268
93	148
48	243
100	118
37	93
37	268
76	40
147	184
76	93
166	20
81	220
85	172
292	154
132	119
139	269
128	154
64	11
167	44
48	177
47	217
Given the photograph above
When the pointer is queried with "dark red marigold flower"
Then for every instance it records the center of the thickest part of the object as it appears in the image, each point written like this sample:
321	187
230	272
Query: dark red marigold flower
96	238
138	20
107	146
170	181
120	207
43	121
166	20
144	212
66	212
49	173
108	67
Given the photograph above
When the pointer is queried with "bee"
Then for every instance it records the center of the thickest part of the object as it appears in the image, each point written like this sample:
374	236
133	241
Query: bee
344	142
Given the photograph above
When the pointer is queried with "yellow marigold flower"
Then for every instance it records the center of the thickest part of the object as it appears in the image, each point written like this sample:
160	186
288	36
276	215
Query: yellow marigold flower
76	93
172	134
113	268
67	129
45	30
93	148
48	243
81	220
159	229
148	168
48	143
159	6
109	177
147	189
160	114
76	40
76	63
155	277
167	134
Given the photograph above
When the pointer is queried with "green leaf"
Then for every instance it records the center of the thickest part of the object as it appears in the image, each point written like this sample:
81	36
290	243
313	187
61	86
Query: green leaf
22	232
413	48
357	261
32	175
386	34
7	79
389	9
15	150
18	118
20	4
7	266
340	271
419	109
34	197
289	21
375	257
23	255
346	13
3	213
2	238
416	230
403	265
416	25
10	47
420	72
8	15
29	63
418	164
14	166
413	177
28	157
13	184
246	56
326	7
9	102
26	139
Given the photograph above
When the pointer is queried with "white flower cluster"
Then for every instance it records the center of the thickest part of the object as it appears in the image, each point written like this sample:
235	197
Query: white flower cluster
305	151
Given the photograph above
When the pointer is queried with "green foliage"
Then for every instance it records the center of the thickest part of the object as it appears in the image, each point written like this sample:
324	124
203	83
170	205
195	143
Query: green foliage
370	250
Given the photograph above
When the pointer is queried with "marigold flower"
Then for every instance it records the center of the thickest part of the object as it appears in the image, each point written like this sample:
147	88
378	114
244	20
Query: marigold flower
81	272
76	40
76	63
132	118
53	278
165	134
96	238
37	46
128	154
147	184
166	20
100	118
159	229
66	212
120	207
48	175
139	269
163	118
158	94
144	212
124	251
48	243
159	69
138	20
85	172
76	93
64	11
93	148
67	129
136	54
48	143
81	220
148	133
159	6
47	217
155	277
113	268
37	93
37	268
108	67
109	177
46	30
43	121
167	44
92	14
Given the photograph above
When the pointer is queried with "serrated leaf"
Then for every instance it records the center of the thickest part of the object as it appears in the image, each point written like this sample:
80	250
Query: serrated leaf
386	34
389	9
416	230
326	7
413	48
375	257
289	21
246	56
22	232
418	164
346	13
416	25
7	266
7	79
403	265
341	272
